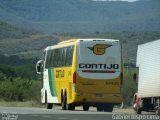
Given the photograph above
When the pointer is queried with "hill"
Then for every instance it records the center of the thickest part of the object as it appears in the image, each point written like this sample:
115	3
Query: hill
27	44
82	15
129	41
10	31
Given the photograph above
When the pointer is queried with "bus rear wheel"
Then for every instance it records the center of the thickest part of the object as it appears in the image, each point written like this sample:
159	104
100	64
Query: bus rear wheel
139	111
66	106
49	105
99	108
85	107
105	108
64	102
108	108
71	107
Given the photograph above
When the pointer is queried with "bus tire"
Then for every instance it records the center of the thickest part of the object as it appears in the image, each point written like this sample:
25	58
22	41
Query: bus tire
139	111
45	102
99	108
49	105
64	102
85	107
71	107
108	107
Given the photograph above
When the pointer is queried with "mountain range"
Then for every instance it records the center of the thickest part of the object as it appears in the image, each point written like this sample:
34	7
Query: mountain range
25	24
21	46
68	16
25	43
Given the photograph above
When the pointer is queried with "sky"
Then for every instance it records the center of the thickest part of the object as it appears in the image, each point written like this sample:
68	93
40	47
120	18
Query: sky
117	0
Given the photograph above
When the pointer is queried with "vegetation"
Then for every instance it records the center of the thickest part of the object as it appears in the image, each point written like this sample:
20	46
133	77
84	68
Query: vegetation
129	86
19	89
19	83
18	80
15	60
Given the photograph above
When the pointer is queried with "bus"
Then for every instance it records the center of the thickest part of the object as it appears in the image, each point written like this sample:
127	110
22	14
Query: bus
87	72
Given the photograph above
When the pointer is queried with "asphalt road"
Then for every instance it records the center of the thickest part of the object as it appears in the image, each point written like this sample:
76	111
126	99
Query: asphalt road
19	113
54	114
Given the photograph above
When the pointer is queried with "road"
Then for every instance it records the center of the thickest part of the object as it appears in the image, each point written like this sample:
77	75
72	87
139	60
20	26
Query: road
20	113
54	114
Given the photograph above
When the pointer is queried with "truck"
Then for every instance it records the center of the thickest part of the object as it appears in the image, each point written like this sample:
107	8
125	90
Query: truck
147	97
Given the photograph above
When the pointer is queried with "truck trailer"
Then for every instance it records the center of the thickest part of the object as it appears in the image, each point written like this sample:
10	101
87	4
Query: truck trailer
147	97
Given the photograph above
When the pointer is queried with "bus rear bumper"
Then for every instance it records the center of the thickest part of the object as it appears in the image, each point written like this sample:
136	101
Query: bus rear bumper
97	98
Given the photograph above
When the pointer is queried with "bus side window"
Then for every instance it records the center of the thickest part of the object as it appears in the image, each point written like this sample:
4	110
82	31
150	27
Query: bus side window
56	58
69	55
47	65
62	57
52	58
59	58
65	57
43	60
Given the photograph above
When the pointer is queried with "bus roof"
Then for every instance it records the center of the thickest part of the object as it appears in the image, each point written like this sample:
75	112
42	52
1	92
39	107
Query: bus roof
90	39
73	41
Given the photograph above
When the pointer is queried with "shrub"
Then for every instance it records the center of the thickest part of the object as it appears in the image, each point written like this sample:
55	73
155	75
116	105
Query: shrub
129	86
19	89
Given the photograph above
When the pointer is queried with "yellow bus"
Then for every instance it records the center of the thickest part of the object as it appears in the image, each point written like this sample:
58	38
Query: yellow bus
85	72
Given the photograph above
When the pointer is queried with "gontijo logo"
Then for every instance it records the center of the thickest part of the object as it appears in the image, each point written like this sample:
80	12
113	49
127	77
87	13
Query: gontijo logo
99	49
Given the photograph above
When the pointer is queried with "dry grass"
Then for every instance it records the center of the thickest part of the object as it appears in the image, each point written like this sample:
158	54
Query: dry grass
4	103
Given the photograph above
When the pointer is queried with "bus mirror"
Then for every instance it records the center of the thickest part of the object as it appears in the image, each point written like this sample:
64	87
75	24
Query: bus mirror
39	67
134	76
